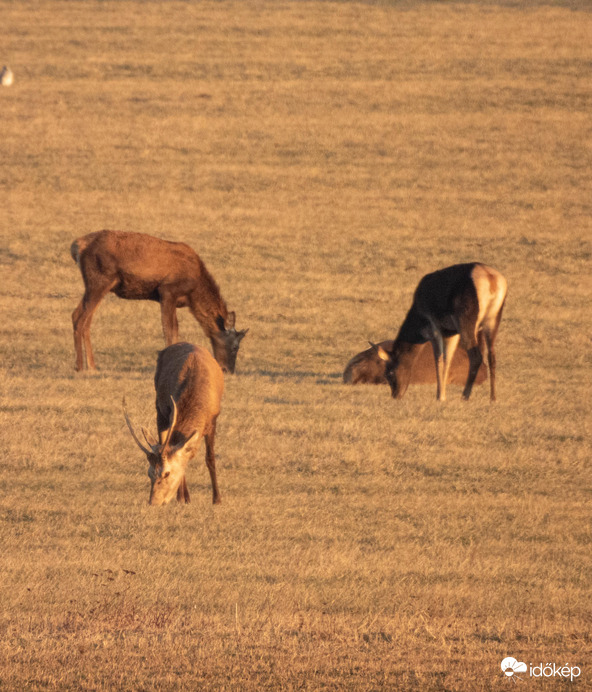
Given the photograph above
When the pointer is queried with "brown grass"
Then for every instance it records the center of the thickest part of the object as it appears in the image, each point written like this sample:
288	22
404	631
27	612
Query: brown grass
321	157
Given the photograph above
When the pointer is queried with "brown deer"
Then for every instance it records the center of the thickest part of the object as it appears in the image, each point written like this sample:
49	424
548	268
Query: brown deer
367	367
189	384
460	303
137	266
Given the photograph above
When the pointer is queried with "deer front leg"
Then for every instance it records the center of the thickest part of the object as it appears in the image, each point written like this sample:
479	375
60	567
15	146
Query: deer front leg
211	463
450	345
438	348
183	492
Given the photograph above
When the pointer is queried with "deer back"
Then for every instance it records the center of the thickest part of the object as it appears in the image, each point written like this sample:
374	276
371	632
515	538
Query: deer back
191	376
139	261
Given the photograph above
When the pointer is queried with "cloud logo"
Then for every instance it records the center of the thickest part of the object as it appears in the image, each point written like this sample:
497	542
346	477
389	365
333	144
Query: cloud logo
510	666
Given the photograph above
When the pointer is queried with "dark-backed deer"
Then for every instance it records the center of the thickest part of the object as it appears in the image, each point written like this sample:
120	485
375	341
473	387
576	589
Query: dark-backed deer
189	385
367	367
137	266
460	303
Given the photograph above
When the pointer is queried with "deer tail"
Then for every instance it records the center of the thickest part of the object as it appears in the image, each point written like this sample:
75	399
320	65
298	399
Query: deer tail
75	251
80	245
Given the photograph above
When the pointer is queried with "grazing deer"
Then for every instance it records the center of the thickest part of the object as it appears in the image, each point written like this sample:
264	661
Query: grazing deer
460	303
367	367
189	385
137	266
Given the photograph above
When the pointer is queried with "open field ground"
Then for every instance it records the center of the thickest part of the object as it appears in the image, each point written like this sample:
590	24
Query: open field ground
321	157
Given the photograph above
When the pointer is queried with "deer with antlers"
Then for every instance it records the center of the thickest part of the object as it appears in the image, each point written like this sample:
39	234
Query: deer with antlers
462	303
189	384
137	266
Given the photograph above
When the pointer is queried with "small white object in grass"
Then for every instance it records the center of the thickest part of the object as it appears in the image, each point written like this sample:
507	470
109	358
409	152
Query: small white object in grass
6	76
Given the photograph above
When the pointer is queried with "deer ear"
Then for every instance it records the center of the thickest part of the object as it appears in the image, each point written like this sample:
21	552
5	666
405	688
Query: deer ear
382	354
379	351
230	320
190	444
241	335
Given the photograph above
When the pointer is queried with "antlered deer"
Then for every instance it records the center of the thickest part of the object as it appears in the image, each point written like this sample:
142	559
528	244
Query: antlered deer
460	303
189	385
137	266
367	367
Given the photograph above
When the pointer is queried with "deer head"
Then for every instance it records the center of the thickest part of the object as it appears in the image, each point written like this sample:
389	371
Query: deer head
167	463
396	376
226	342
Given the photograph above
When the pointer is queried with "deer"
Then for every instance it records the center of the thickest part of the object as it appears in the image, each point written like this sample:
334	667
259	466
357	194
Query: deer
367	367
137	266
189	384
462	303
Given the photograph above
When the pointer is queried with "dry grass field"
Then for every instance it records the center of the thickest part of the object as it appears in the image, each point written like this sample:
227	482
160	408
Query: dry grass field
321	157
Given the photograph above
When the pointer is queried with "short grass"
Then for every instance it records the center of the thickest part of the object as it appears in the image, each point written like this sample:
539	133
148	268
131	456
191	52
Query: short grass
321	157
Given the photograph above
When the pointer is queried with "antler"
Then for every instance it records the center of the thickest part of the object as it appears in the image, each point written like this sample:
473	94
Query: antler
131	429
172	425
148	437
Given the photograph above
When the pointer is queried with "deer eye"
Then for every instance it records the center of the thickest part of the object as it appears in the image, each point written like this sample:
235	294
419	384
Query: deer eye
166	474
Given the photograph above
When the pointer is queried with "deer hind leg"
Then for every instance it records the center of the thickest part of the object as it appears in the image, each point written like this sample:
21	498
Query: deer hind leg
168	315
490	335
491	362
81	319
469	321
470	341
211	462
475	360
78	341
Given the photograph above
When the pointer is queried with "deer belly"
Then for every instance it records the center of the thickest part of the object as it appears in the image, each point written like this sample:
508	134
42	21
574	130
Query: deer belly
132	288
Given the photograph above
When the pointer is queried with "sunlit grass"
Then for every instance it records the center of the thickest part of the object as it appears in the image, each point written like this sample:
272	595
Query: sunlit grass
320	157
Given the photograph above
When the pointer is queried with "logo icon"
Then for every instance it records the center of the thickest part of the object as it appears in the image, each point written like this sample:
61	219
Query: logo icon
510	666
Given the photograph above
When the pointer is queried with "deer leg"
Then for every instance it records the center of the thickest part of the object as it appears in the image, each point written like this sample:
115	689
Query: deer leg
78	342
438	348
81	319
211	462
183	492
90	357
492	362
168	314
475	360
469	338
450	345
490	334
